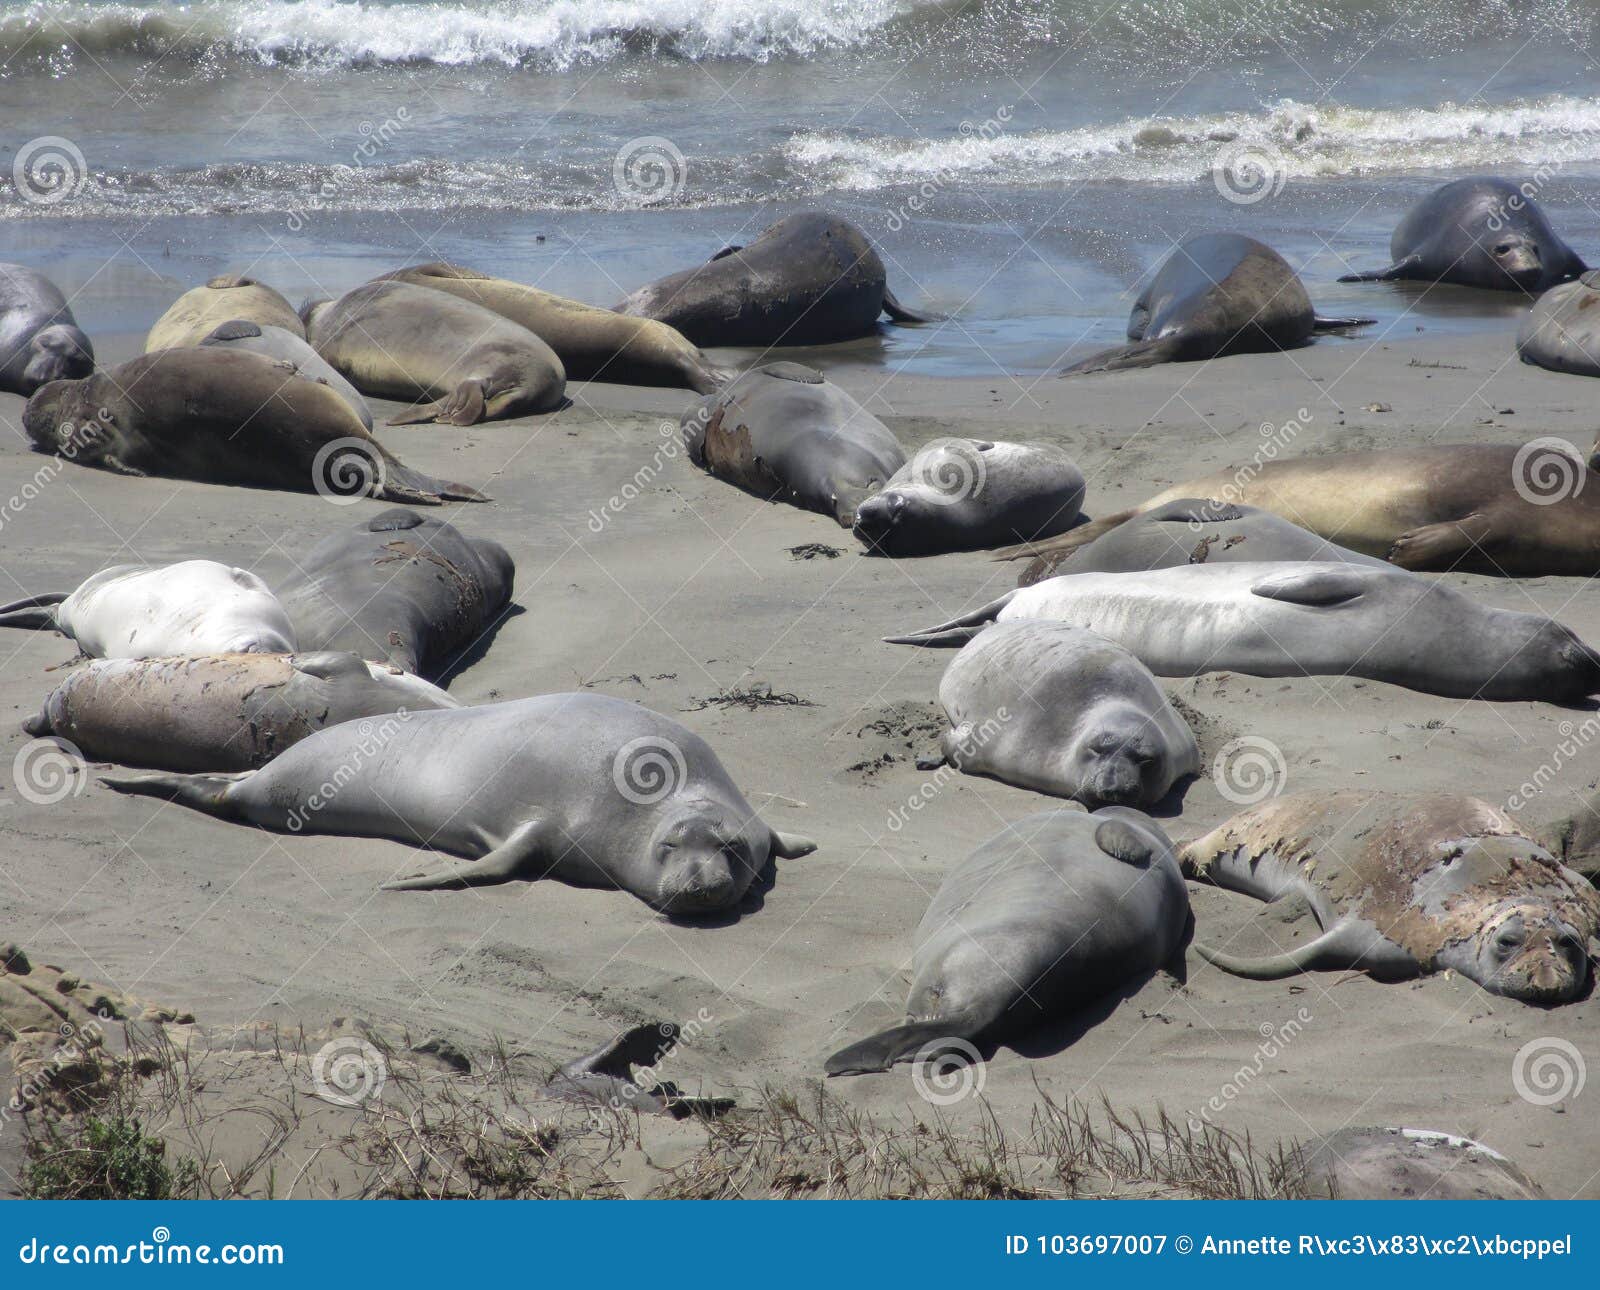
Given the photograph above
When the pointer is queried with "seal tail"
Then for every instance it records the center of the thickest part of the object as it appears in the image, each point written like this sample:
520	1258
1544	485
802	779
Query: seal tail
899	313
466	405
918	1041
1058	547
705	378
33	611
1142	353
205	793
1314	954
958	631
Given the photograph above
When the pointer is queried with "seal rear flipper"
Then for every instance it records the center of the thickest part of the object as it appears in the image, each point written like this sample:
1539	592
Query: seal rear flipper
463	406
205	793
522	855
900	314
1142	353
33	611
1399	269
642	1045
958	631
1327	951
1064	543
920	1040
1319	323
400	483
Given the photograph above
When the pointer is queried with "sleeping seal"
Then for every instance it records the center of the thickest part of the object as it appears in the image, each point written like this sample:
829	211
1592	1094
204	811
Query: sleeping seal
969	494
1053	913
1318	619
1402	887
1483	232
1562	330
197	313
1410	1164
591	790
809	279
40	340
1063	711
1216	294
394	340
783	433
400	589
135	611
220	712
291	348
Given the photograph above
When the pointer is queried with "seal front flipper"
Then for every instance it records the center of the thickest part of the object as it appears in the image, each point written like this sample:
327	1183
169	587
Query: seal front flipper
1142	353
524	855
791	846
1440	546
920	1040
1403	268
32	611
1341	946
234	329
463	406
1312	586
1319	323
900	314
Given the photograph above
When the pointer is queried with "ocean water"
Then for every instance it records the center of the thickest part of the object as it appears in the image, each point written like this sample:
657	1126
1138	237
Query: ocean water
1021	164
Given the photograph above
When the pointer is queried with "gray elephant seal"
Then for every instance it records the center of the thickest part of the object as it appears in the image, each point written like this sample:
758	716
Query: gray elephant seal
593	344
1054	912
971	494
783	433
1519	512
1410	1164
1483	232
138	611
1319	619
220	712
1562	330
809	279
394	340
398	588
196	314
288	347
40	340
1063	711
583	788
1216	294
606	1077
1403	887
224	417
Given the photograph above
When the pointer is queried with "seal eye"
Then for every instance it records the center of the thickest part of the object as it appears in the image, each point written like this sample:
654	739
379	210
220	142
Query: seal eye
1507	942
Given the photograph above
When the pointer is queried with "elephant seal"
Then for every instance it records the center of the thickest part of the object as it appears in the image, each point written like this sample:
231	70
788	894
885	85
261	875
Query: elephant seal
1521	512
1402	887
1482	232
220	712
1063	711
606	1077
1410	1164
588	789
593	344
783	433
394	340
1056	911
1193	530
1318	619
1562	330
809	279
138	611
291	348
971	494
224	417
400	589
197	313
1216	294
40	340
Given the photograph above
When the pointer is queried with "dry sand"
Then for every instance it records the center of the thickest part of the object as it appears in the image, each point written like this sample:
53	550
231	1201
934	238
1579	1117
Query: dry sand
689	590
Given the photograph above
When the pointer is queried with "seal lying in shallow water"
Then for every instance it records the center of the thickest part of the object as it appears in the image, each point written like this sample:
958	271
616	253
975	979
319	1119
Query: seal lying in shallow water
1054	912
809	279
1063	711
398	588
588	789
1318	619
1216	294
220	712
221	416
1403	887
136	611
40	340
783	433
1562	330
292	348
1482	232
229	298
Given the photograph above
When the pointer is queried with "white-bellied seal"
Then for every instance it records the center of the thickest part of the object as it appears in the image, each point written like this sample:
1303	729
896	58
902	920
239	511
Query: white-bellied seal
220	712
588	789
139	611
593	344
1216	294
40	340
606	1077
394	340
1060	710
1317	619
224	417
197	313
969	495
1520	512
1562	330
1402	887
783	433
1410	1164
398	588
287	347
809	279
1056	911
1481	232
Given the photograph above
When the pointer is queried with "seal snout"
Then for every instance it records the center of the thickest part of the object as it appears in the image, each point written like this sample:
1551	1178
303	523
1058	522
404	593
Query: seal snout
877	517
1520	260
